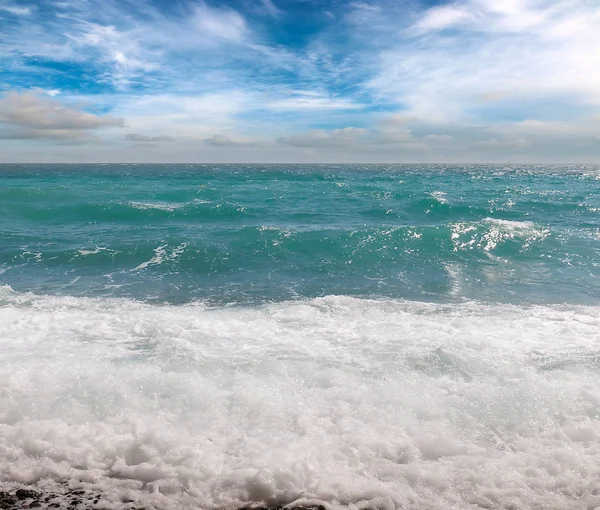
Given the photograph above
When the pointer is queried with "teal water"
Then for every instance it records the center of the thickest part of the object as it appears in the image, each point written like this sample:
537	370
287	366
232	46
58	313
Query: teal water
255	233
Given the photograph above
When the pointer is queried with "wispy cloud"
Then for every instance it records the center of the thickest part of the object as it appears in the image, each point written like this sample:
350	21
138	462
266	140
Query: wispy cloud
310	102
15	9
119	49
270	8
445	16
533	49
221	23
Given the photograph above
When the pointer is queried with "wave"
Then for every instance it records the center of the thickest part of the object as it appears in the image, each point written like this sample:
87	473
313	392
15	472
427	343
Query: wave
336	400
67	209
244	232
377	246
485	258
495	232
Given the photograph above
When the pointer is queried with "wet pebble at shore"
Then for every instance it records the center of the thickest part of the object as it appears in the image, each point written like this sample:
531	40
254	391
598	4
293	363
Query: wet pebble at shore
77	499
80	499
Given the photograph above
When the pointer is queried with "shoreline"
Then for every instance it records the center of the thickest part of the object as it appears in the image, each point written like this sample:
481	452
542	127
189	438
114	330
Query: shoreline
63	497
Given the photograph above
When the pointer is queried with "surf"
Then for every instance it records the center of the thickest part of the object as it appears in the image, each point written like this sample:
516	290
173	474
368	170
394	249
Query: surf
335	400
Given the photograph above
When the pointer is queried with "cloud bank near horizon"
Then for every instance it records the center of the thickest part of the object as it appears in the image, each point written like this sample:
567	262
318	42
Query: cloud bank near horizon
300	80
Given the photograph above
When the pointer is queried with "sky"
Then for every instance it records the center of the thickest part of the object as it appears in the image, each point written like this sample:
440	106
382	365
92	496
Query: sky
300	81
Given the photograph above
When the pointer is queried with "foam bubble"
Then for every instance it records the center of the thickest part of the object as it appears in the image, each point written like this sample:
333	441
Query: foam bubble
337	400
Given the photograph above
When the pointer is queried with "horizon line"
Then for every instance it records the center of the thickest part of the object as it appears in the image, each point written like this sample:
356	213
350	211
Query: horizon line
596	163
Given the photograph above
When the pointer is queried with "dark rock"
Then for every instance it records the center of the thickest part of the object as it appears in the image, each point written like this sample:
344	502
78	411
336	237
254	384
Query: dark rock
26	494
299	507
35	504
7	501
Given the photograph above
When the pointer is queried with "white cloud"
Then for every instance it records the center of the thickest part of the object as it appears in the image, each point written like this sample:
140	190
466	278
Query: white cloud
322	138
502	49
517	16
270	8
558	133
120	48
511	142
13	9
388	136
221	140
502	144
229	113
29	116
186	117
438	138
311	103
365	6
489	15
226	24
29	110
223	80
395	136
209	106
135	137
363	14
439	18
126	47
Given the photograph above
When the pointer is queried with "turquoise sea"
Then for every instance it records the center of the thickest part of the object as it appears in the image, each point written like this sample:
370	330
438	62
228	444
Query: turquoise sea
239	234
379	336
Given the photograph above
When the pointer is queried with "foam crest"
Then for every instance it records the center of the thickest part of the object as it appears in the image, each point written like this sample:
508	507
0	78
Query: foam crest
97	250
343	401
161	254
161	206
440	196
468	235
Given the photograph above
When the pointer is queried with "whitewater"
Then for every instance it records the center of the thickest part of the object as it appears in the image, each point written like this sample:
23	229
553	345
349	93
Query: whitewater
253	336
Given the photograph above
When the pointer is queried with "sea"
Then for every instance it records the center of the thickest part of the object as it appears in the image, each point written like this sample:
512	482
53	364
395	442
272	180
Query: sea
351	336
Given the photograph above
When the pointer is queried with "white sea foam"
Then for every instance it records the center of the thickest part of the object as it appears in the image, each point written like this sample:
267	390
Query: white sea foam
440	196
468	235
161	254
31	255
379	404
162	206
167	206
98	249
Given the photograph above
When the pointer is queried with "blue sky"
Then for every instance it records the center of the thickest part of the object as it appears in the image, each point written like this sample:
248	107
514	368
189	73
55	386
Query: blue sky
300	80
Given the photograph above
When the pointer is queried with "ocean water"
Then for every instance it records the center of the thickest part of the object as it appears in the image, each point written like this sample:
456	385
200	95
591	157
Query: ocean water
226	336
